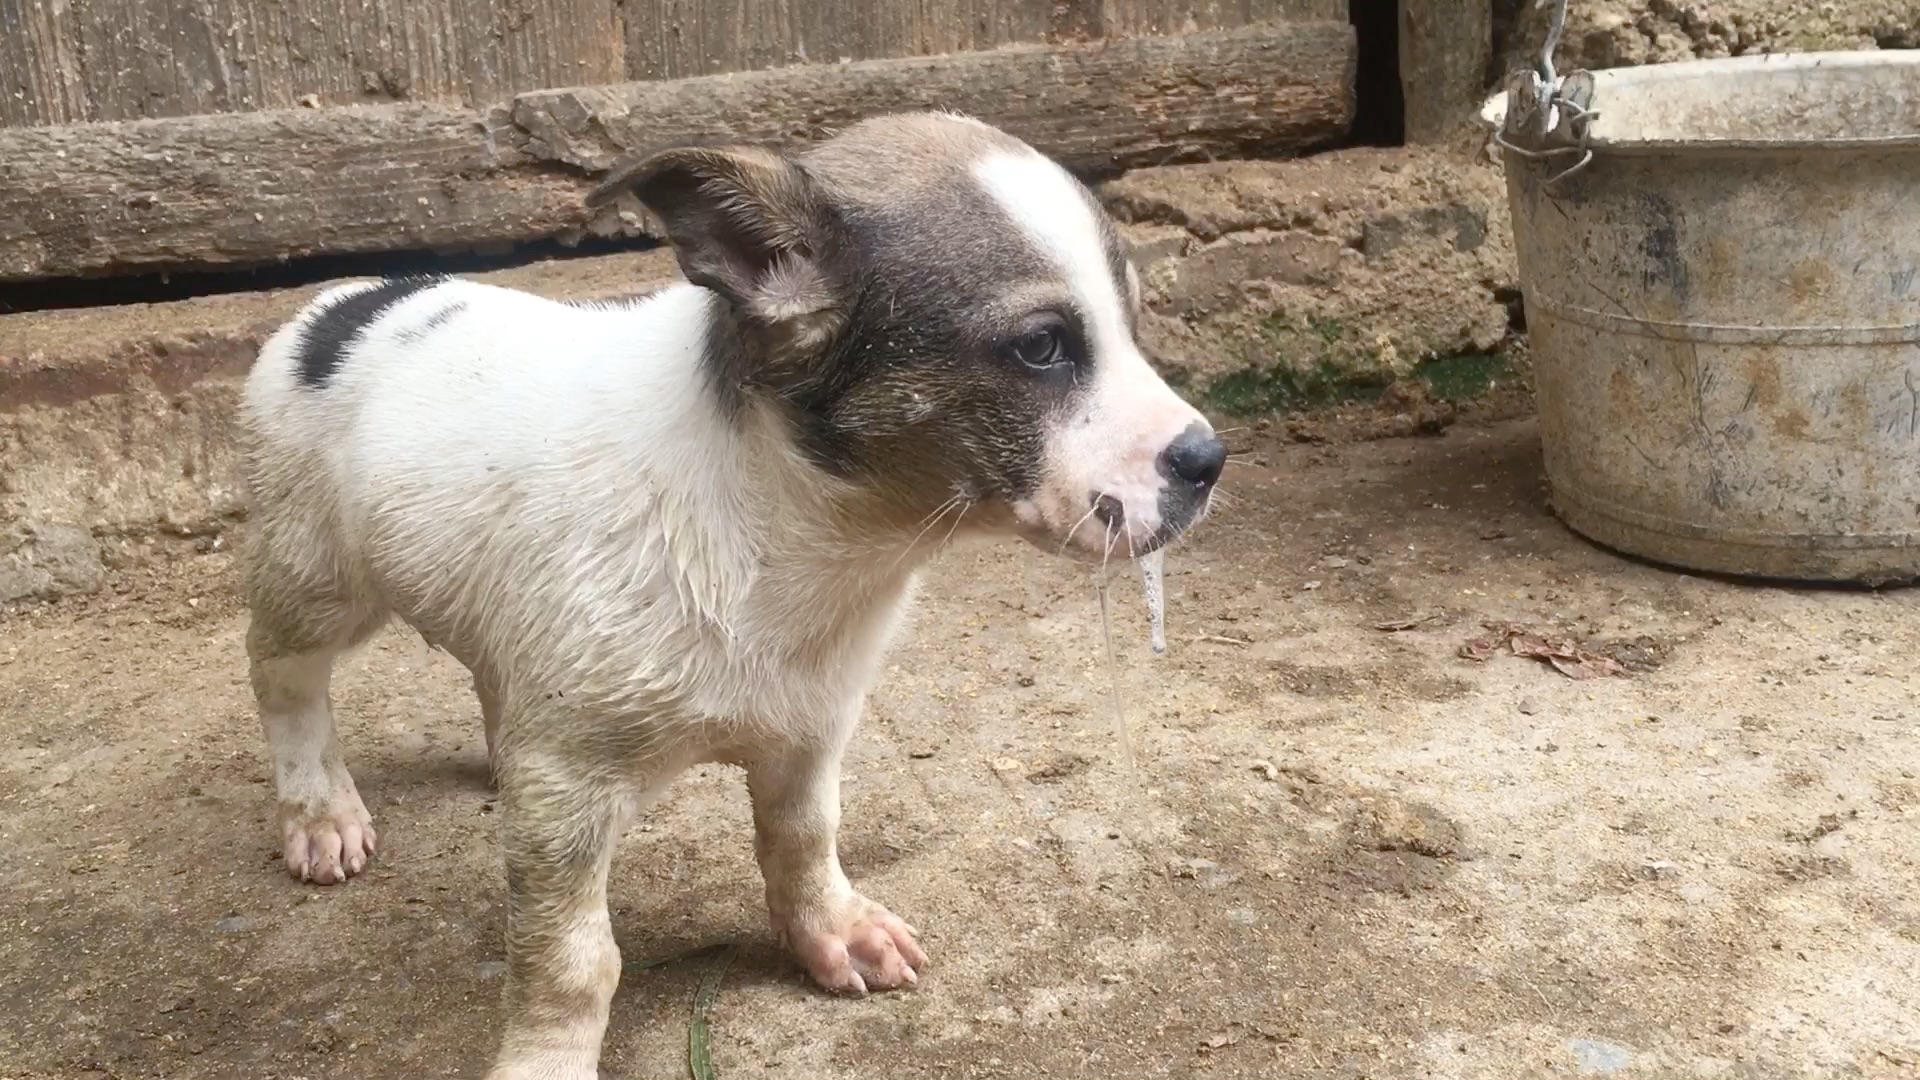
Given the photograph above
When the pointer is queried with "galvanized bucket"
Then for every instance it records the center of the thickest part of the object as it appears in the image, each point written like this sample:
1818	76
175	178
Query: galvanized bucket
1721	268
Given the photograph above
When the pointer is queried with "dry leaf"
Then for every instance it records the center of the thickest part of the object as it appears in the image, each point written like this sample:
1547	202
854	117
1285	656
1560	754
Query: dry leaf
1567	658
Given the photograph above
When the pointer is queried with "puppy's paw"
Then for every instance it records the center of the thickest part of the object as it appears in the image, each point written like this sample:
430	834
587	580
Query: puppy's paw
329	845
856	947
539	1068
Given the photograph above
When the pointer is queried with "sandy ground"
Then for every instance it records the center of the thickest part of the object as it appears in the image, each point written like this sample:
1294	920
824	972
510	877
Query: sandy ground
1349	851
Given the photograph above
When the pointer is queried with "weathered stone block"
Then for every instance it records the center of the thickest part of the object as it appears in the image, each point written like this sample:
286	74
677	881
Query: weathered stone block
40	561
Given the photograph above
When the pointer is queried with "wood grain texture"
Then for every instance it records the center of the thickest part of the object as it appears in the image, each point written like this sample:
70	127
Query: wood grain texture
670	39
41	81
1141	18
259	187
103	60
1107	105
1445	47
211	191
68	61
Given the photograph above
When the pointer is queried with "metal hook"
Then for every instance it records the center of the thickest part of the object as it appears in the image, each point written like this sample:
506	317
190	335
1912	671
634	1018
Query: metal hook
1555	27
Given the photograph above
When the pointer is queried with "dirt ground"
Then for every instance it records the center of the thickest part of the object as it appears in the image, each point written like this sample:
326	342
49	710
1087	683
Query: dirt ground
1349	851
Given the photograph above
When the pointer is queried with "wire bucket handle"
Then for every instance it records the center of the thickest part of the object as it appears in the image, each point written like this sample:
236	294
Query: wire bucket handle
1548	117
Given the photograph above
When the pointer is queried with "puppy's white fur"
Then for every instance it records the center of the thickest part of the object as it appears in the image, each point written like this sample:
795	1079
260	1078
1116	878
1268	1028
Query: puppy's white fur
639	575
1131	416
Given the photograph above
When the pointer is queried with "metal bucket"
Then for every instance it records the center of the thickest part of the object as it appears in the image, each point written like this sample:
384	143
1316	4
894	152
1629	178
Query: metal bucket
1724	306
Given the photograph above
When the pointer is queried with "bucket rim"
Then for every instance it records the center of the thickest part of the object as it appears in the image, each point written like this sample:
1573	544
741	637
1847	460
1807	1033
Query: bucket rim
1493	112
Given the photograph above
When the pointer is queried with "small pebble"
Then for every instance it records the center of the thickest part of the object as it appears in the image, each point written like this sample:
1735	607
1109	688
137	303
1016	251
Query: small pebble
1593	1056
1528	706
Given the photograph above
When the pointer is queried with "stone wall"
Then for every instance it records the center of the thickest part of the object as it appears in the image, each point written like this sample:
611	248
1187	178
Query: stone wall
1276	284
1622	33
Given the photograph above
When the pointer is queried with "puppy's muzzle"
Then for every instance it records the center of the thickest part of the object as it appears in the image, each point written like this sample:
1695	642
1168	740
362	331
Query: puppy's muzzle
1190	466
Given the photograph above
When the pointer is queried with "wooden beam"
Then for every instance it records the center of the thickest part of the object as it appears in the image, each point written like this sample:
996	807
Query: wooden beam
671	39
213	191
1445	49
144	59
1106	105
255	188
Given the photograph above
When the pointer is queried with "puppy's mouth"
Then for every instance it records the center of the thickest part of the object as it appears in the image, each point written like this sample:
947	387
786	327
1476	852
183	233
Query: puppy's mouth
1109	532
1101	527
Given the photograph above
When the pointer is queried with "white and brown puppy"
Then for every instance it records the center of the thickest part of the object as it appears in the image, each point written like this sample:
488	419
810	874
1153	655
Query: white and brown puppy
682	529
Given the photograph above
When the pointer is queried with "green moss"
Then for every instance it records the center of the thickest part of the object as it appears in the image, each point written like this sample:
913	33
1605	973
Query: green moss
1464	376
1289	367
1335	371
1253	391
1270	389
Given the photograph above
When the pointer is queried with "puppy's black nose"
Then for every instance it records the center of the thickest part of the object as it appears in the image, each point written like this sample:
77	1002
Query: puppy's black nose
1196	457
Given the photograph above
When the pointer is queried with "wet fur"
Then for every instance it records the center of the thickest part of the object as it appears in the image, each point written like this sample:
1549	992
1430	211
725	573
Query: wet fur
684	529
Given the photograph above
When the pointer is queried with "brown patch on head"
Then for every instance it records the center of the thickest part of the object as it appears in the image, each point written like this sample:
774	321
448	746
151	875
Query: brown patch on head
919	341
751	226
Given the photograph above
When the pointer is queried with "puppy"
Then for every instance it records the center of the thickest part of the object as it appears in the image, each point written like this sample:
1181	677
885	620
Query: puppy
683	529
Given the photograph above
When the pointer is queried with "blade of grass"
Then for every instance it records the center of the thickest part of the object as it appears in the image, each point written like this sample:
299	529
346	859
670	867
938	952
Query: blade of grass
699	1032
699	1035
694	953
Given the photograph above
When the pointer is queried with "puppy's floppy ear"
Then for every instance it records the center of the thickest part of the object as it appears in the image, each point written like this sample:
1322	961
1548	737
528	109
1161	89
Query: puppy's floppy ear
747	223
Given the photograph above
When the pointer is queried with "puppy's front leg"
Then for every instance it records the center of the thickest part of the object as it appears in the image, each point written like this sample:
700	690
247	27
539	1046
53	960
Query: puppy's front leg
847	942
559	831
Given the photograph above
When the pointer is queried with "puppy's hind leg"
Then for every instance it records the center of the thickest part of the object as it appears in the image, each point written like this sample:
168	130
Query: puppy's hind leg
292	639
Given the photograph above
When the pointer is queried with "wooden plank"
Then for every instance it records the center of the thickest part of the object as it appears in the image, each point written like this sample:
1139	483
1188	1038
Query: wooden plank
1445	49
531	46
1114	104
671	39
261	187
1140	18
156	58
41	81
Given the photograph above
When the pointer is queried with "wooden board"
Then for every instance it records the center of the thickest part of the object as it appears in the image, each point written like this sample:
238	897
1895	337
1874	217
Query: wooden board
1098	107
670	39
260	187
1445	49
41	81
133	59
97	60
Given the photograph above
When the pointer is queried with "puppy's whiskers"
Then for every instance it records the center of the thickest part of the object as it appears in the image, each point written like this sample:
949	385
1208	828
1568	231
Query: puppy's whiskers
964	505
1071	533
960	500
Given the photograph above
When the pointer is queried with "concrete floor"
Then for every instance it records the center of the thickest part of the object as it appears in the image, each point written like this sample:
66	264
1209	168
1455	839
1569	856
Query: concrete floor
1349	852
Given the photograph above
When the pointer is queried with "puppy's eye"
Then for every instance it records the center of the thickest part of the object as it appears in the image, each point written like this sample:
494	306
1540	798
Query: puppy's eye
1039	349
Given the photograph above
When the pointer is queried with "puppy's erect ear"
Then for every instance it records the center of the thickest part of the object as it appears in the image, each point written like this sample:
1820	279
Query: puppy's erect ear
745	222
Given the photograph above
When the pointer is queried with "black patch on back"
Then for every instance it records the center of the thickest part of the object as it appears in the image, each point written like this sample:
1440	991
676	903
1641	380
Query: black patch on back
431	323
324	340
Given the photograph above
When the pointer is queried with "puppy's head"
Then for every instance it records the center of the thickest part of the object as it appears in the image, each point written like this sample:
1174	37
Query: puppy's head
948	319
